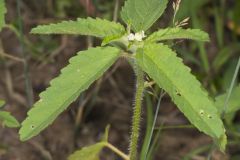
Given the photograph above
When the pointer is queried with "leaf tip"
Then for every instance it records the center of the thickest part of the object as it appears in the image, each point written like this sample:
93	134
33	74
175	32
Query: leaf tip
34	30
222	142
22	136
24	133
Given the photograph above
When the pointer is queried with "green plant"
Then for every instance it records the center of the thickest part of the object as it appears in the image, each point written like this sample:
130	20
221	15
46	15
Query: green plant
146	54
92	152
190	9
7	119
19	34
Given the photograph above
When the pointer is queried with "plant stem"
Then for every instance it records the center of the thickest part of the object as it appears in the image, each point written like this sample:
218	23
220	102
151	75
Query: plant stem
116	8
231	88
154	123
136	113
28	83
2	54
175	127
117	151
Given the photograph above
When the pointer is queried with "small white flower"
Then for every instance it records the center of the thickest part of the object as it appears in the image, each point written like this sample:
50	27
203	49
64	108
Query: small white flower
137	36
131	37
143	34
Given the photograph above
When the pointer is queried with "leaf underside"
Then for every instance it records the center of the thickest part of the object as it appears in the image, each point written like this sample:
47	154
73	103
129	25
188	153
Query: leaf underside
3	11
8	120
141	14
178	33
233	103
88	153
82	71
92	27
169	72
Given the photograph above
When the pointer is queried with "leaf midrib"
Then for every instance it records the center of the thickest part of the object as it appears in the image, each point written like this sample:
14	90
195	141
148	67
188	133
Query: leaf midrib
183	96
62	106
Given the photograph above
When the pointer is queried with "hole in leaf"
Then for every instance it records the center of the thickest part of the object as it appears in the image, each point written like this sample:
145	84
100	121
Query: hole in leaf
201	112
178	93
209	116
32	126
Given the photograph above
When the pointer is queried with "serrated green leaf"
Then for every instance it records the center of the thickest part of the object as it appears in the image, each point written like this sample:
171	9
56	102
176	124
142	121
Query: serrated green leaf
88	153
1	103
178	33
233	103
82	71
111	39
8	120
141	14
92	27
169	72
3	11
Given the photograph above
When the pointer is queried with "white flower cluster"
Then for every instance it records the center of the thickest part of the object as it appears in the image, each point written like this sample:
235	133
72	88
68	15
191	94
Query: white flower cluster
137	36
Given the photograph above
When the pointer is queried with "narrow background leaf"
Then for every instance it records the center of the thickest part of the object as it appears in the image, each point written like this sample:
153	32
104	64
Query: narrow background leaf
8	120
1	103
3	11
233	103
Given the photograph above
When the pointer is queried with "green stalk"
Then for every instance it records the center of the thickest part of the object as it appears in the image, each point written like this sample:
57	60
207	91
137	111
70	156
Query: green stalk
231	88
28	83
136	113
154	123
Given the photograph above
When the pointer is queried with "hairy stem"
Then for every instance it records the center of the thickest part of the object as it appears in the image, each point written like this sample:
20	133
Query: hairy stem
136	113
